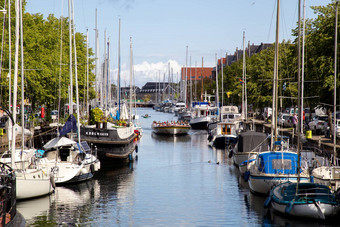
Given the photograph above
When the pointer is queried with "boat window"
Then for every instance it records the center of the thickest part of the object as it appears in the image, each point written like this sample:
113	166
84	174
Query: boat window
202	112
279	164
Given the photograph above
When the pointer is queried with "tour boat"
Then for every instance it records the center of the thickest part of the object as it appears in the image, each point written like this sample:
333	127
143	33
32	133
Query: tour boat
172	128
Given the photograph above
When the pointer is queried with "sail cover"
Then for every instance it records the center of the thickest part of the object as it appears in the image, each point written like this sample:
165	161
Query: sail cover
70	125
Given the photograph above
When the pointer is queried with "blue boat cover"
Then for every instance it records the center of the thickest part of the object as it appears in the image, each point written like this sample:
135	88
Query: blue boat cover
278	162
70	125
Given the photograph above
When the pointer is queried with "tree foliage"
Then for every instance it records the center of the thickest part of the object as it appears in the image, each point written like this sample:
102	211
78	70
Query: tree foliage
46	60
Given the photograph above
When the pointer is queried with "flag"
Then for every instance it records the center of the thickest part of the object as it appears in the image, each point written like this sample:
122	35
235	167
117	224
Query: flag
241	81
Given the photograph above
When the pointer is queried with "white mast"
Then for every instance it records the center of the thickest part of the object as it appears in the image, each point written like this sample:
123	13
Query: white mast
104	70
303	63
276	62
22	83
87	72
244	114
216	95
98	80
131	73
76	74
9	66
15	81
9	57
222	80
119	70
70	53
186	77
335	75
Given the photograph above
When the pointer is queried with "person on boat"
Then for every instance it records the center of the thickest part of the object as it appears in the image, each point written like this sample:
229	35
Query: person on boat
295	120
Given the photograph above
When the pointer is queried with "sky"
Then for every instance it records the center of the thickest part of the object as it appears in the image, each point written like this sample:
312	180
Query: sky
163	30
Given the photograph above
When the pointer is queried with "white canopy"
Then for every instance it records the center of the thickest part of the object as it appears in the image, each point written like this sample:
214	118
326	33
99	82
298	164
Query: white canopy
58	142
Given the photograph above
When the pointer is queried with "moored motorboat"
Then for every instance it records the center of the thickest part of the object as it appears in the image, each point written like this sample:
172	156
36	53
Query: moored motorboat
272	168
171	128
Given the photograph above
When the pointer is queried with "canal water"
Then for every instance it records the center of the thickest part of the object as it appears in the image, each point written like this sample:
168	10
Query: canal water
173	181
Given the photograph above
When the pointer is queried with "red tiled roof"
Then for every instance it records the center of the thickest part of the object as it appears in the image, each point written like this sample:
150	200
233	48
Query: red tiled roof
196	72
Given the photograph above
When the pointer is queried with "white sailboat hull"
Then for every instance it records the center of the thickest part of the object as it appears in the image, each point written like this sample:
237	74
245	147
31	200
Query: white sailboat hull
33	183
327	175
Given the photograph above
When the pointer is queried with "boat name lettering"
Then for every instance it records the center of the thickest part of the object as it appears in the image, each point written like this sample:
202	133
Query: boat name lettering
97	133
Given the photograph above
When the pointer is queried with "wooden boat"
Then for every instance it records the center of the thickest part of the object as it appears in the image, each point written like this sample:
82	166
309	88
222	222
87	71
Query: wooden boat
172	128
311	200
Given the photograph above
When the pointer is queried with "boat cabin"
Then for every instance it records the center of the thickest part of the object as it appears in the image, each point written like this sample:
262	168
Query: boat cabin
277	162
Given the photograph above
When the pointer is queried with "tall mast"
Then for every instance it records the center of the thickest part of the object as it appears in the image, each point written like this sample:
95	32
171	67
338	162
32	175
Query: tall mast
303	63
119	71
244	114
222	80
76	74
9	66
104	96
98	80
9	57
190	79
22	83
216	95
276	63
186	77
108	85
70	57
131	73
15	81
335	75
202	81
87	72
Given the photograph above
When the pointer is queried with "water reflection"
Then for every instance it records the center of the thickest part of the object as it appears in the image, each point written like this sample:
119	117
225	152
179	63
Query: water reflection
166	138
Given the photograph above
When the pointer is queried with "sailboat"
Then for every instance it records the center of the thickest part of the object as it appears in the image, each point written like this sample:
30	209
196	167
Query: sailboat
32	181
68	160
277	165
114	142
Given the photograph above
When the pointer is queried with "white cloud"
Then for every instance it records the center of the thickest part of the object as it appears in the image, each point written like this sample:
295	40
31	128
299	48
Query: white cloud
148	72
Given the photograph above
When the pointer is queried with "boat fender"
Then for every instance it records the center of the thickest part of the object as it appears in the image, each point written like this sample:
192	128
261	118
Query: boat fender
136	148
312	179
231	153
130	157
289	207
267	202
246	176
52	181
92	168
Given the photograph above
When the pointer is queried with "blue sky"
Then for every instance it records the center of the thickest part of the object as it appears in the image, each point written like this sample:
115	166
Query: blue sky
161	29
